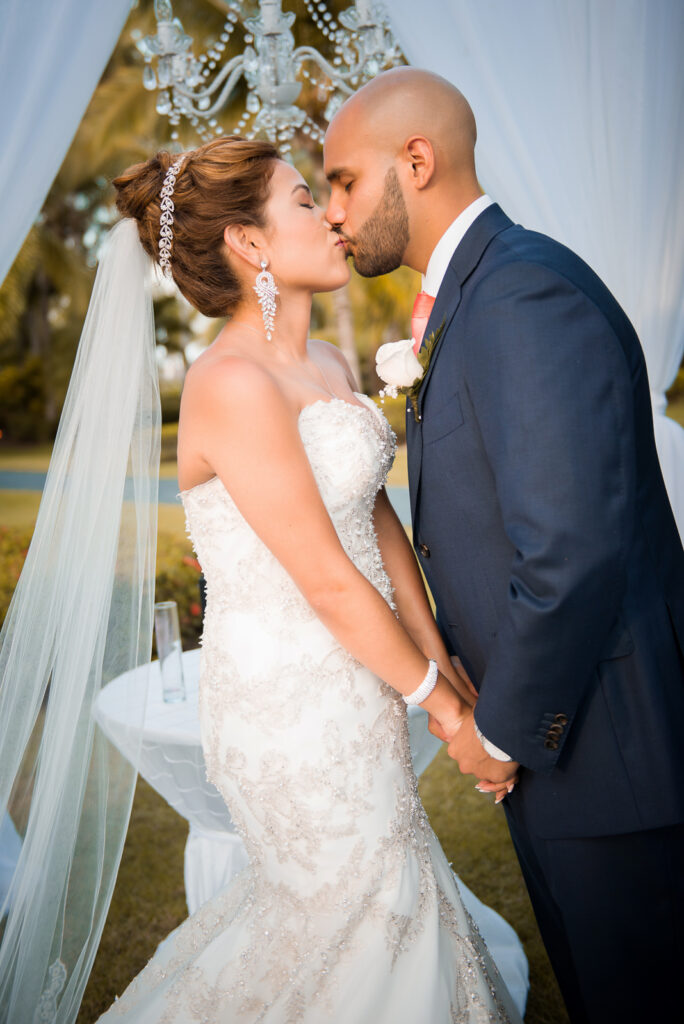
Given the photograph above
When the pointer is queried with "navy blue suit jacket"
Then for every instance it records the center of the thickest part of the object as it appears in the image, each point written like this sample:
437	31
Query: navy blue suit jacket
543	526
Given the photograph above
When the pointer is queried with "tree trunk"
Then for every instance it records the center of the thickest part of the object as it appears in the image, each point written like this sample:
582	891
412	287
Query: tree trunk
345	330
39	336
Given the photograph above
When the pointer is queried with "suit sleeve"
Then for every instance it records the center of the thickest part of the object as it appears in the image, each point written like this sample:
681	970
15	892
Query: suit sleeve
551	390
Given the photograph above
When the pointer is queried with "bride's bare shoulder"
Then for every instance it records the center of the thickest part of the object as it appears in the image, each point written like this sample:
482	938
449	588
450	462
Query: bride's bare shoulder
230	382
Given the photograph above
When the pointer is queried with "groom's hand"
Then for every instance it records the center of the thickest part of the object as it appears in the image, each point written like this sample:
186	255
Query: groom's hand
465	748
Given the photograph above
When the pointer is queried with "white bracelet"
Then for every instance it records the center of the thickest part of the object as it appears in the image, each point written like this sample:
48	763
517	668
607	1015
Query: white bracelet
426	687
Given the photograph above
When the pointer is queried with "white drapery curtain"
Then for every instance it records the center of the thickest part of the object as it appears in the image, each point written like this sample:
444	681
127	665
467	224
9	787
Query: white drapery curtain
580	112
51	57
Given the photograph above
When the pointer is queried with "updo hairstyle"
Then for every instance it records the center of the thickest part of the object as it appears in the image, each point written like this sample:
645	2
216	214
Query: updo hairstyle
223	182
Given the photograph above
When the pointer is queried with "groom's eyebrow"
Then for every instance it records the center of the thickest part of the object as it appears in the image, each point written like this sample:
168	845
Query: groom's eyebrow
337	173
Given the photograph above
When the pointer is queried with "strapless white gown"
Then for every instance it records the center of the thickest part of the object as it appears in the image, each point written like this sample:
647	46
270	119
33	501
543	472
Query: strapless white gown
348	912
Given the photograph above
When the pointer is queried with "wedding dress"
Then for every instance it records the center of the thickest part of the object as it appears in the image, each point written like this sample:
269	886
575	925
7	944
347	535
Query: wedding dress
348	912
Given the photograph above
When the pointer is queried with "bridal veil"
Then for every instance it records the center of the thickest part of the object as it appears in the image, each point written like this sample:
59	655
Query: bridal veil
81	614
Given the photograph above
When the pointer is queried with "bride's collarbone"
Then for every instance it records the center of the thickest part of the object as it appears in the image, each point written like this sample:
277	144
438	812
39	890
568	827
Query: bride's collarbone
300	390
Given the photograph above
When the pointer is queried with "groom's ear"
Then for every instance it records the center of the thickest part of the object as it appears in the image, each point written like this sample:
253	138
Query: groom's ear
243	242
419	157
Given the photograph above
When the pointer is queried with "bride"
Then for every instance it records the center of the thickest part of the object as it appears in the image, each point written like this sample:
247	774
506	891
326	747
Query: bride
317	634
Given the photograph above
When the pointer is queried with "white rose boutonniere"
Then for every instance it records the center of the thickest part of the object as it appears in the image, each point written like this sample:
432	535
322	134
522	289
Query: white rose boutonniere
397	365
402	370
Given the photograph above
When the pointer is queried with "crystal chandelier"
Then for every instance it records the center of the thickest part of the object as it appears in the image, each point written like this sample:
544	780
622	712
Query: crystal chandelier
198	88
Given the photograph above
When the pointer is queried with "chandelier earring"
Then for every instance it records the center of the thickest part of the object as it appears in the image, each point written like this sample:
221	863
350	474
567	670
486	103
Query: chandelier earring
266	292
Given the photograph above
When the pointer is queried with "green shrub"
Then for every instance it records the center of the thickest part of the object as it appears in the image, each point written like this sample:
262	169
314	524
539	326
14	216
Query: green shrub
170	403
13	547
22	401
169	442
178	574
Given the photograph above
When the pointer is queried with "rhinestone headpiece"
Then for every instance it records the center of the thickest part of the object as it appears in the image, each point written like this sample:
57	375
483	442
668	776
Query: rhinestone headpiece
166	219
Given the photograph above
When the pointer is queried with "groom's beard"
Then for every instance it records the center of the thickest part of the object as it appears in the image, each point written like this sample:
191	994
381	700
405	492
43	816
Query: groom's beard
381	242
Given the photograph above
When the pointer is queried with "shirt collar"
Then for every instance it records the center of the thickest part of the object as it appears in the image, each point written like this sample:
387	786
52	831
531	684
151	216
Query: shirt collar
449	242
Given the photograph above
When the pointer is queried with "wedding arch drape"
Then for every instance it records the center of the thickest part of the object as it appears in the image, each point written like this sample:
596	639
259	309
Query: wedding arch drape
51	57
580	111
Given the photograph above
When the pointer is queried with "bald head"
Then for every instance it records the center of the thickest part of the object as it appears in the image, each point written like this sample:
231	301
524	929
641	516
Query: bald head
405	102
400	159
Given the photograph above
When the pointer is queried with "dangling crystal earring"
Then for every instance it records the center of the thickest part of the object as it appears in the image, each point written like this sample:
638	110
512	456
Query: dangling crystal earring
266	291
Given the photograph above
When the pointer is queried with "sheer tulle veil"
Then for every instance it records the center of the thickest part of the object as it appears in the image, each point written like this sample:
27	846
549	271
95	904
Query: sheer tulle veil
81	614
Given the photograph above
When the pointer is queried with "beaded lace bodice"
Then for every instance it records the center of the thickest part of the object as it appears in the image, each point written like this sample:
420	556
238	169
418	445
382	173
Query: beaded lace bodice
351	449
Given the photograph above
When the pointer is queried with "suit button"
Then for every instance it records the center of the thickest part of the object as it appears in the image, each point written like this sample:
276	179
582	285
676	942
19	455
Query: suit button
561	719
424	550
555	730
551	744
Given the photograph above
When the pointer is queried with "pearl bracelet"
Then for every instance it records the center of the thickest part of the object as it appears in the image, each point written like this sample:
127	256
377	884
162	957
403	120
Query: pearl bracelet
426	687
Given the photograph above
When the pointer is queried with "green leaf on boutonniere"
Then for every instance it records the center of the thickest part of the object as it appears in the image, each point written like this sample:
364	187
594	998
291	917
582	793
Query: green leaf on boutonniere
424	356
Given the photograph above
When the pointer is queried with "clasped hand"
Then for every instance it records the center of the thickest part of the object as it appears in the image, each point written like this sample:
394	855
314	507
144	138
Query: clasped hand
464	745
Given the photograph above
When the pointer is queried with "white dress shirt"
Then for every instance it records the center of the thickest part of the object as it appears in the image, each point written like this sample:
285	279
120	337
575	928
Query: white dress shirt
432	280
449	242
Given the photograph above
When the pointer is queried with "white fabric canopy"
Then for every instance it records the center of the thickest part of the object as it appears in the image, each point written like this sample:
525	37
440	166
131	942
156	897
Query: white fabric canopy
580	112
51	58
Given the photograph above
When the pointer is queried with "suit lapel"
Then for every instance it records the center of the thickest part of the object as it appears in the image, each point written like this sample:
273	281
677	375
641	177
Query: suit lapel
465	259
414	452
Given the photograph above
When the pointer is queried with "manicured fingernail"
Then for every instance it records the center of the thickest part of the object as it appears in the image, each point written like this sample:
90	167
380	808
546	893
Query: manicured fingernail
480	790
511	787
500	798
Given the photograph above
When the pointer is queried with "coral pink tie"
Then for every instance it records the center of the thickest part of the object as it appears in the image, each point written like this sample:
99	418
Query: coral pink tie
422	308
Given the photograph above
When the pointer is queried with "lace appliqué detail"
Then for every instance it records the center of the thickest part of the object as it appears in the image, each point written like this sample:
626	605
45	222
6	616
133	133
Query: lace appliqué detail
46	1011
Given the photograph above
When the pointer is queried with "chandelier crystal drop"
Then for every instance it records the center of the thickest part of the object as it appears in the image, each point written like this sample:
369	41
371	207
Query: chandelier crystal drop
197	88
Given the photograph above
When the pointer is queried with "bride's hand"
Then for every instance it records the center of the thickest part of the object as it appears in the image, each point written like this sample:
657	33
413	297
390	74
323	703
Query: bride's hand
457	676
500	789
446	707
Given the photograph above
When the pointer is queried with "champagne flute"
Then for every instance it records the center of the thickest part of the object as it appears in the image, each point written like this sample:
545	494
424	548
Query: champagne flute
169	649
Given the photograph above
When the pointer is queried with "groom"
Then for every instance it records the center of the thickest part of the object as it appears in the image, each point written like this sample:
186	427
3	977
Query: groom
543	527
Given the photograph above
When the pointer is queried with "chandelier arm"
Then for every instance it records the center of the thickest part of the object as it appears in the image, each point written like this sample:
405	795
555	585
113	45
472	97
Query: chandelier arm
224	94
338	77
225	71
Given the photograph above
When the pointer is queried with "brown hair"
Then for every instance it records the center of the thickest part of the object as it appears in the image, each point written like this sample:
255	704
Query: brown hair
224	182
